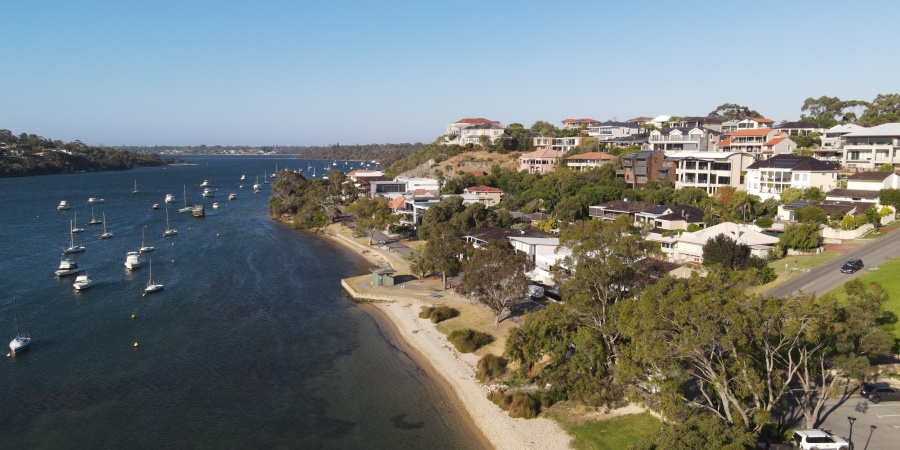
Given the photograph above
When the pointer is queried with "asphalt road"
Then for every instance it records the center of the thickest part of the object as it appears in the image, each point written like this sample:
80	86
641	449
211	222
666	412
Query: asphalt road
828	276
876	427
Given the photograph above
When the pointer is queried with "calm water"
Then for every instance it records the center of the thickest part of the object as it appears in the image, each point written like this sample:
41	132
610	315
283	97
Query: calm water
251	344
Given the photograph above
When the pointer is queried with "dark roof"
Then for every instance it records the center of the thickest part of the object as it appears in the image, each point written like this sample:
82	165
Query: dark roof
830	206
690	214
483	126
800	125
870	176
707	119
627	140
841	192
658	210
610	123
644	154
494	233
687	130
794	162
383	271
631	206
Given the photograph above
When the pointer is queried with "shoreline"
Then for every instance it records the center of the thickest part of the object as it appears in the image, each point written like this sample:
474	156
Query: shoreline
456	371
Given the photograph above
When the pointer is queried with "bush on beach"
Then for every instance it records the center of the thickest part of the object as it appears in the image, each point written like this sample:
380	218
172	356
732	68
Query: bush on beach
519	404
467	341
490	367
438	313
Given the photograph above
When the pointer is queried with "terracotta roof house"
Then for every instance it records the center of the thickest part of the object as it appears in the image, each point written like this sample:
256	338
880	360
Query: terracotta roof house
639	120
487	195
585	161
540	161
577	124
770	177
757	142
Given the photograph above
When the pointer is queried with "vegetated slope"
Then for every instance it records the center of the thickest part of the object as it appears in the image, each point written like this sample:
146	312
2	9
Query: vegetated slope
385	154
463	163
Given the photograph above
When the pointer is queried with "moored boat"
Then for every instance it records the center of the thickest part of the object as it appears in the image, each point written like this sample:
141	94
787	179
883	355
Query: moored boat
75	228
151	286
170	198
93	200
169	231
94	220
208	192
67	267
82	282
22	340
144	248
215	205
132	260
232	197
106	234
72	247
63	205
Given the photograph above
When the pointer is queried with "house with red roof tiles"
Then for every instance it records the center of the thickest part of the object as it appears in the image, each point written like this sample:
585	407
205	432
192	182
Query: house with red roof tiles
487	195
578	124
590	160
759	142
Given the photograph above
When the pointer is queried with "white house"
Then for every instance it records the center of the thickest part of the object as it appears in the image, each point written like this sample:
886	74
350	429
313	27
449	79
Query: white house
865	187
543	252
770	177
832	148
870	148
688	247
695	138
613	130
454	133
709	170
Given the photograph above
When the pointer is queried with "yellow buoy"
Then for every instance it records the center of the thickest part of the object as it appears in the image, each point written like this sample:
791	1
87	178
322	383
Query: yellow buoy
135	344
8	355
132	316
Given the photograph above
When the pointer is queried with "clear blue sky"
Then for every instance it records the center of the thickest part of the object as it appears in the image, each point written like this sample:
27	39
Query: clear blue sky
332	71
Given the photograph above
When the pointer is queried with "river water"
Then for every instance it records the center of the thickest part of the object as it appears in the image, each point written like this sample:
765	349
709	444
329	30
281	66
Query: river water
251	344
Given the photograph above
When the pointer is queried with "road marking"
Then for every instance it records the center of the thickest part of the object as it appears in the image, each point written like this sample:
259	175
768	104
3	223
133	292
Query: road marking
889	415
808	285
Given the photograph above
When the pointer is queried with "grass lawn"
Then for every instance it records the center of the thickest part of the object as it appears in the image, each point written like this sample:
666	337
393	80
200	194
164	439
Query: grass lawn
795	266
614	434
886	276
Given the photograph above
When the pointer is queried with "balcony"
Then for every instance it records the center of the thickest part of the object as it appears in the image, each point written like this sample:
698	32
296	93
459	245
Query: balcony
675	138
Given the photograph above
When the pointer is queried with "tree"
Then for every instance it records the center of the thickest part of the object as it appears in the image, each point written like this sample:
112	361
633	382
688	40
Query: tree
799	236
829	111
813	194
442	212
885	108
811	214
791	194
497	276
731	111
873	216
808	141
443	250
726	252
372	214
700	431
418	264
887	168
890	197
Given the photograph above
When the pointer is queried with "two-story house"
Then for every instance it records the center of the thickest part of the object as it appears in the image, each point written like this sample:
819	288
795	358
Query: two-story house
540	161
612	130
590	160
871	148
759	142
699	139
562	144
800	128
832	148
770	177
754	123
865	187
709	170
487	195
578	124
454	130
617	208
473	134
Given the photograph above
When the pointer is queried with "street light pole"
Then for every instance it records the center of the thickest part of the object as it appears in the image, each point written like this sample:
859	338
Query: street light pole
851	419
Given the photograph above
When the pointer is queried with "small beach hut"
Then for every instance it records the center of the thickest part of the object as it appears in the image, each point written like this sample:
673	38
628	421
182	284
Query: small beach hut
383	276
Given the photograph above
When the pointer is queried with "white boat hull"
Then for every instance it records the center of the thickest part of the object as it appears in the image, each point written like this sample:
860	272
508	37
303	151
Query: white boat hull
19	343
153	288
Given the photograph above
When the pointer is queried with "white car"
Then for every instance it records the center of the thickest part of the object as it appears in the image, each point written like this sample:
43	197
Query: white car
818	440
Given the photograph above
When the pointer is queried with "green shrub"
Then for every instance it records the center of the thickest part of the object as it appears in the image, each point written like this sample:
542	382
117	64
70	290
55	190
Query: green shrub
467	341
764	222
524	405
490	367
438	313
501	399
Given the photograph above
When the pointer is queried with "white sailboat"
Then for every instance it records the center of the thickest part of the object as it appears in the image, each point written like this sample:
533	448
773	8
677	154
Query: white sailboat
22	340
83	282
151	286
75	228
72	247
106	234
132	260
186	208
265	178
256	185
135	191
144	248
94	220
169	231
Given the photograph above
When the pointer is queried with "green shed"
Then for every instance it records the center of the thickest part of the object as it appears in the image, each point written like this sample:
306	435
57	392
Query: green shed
383	276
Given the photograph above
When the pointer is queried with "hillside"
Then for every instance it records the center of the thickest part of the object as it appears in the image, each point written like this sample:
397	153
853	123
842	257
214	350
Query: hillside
464	162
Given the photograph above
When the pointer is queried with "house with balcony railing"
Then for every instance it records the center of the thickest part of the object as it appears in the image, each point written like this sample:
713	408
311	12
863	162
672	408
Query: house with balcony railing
540	161
590	160
562	144
613	130
770	177
694	139
871	148
709	170
759	142
641	167
832	148
800	128
578	124
454	133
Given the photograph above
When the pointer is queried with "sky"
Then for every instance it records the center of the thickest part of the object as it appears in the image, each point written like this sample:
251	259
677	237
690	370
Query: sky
358	72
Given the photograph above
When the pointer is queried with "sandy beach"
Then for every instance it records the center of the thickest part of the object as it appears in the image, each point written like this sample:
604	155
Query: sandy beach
456	369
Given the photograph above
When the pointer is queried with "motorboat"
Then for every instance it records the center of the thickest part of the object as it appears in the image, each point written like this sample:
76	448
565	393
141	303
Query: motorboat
63	205
93	200
144	248
75	228
106	234
216	205
186	208
205	183
72	247
170	198
94	220
67	267
155	206
208	192
169	231
151	286
132	260
82	282
22	340
232	197
243	177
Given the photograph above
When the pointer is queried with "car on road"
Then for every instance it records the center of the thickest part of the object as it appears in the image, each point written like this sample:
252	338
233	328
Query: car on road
868	387
819	440
852	266
883	393
435	295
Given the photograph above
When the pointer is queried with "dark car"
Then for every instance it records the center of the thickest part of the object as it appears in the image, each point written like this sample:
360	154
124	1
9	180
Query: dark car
884	393
852	266
868	387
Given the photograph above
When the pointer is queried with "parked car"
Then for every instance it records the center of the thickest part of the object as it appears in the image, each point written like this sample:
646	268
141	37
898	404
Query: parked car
819	440
883	393
852	266
868	387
